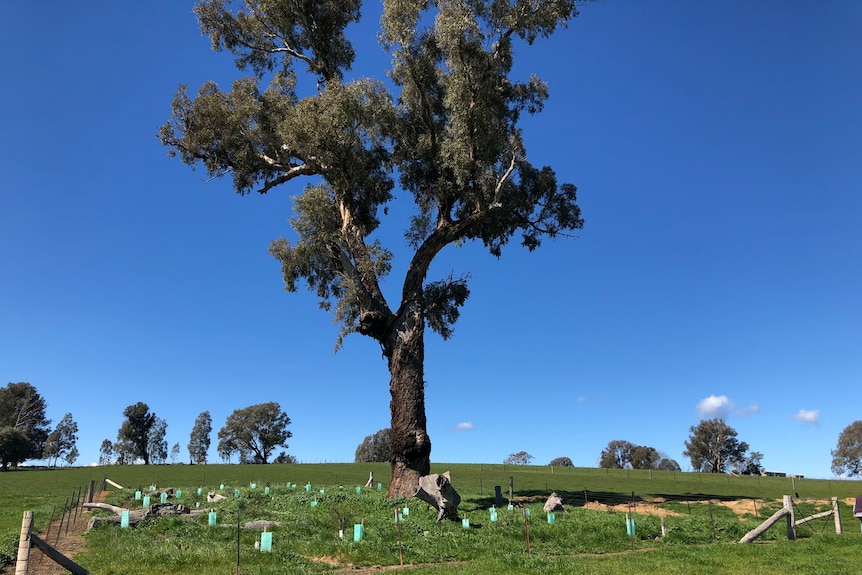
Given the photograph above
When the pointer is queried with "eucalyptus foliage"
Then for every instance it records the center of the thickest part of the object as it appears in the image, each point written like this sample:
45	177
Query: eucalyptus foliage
440	126
24	428
199	439
713	447
374	448
62	442
134	435
254	432
847	455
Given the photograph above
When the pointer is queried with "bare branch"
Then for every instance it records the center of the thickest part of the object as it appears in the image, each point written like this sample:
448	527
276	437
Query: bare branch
499	189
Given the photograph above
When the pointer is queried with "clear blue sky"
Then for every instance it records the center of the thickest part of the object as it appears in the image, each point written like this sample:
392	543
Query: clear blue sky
717	148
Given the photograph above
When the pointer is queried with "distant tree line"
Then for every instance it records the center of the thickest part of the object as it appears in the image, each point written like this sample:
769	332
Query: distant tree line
251	433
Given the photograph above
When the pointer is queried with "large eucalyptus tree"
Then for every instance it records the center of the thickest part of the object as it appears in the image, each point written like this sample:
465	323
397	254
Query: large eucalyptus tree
443	128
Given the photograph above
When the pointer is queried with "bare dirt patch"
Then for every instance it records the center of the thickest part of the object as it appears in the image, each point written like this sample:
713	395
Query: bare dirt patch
354	570
642	508
741	506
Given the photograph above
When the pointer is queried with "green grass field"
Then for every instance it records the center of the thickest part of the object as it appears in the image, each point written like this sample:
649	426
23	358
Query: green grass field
700	532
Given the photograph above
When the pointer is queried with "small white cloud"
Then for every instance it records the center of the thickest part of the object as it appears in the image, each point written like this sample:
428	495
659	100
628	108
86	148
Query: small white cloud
752	409
714	407
811	416
582	399
463	426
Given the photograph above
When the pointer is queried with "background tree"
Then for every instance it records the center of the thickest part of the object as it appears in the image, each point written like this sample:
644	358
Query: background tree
561	462
175	452
667	464
749	464
643	457
374	448
124	451
448	129
62	441
617	455
847	455
23	423
199	440
519	458
72	456
713	447
106	452
134	434
254	432
157	444
284	458
15	447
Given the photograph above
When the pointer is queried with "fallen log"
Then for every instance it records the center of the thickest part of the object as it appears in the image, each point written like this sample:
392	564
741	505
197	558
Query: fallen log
138	515
106	507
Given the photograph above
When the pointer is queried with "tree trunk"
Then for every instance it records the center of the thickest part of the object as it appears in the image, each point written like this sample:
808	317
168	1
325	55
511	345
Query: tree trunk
410	446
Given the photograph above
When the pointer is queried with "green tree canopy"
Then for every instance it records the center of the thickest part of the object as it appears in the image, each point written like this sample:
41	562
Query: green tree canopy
374	448
617	454
621	454
15	447
441	123
713	446
133	437
254	432
561	462
61	442
847	455
124	452
519	458
106	452
157	443
199	440
23	420
750	463
643	457
667	464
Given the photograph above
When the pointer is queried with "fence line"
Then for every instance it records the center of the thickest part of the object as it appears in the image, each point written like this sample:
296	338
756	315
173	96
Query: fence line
70	515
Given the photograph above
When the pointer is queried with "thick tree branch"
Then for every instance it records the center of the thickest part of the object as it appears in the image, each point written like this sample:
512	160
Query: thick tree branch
291	173
371	296
440	238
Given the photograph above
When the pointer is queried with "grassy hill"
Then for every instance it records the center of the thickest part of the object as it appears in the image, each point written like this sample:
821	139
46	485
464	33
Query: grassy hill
693	508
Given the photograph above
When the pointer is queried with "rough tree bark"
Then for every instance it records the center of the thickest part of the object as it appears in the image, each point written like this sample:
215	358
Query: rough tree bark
410	447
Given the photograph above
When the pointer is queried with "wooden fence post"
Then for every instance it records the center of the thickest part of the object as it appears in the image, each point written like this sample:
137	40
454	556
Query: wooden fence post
791	518
24	544
837	516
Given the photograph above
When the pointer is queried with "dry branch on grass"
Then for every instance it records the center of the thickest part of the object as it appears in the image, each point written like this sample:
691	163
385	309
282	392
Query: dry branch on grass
136	516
